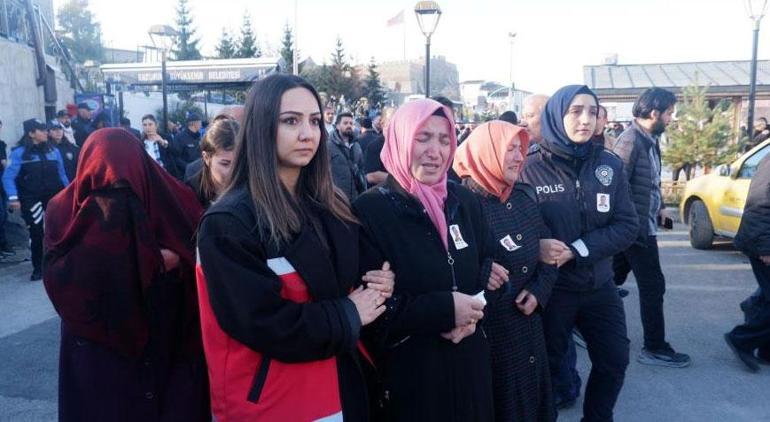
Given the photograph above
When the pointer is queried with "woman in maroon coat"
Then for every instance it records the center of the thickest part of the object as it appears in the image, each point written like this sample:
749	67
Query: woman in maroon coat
119	269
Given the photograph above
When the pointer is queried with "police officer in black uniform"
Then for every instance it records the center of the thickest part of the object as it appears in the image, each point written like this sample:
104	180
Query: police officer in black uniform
69	151
34	175
186	145
584	200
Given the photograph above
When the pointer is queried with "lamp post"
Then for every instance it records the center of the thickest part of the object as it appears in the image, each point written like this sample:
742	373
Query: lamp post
162	37
428	14
756	11
511	37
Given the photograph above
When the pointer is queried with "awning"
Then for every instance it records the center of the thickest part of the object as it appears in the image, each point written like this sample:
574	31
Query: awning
200	73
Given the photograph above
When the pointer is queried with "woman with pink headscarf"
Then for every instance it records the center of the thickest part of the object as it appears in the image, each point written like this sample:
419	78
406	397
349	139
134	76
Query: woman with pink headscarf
489	162
429	346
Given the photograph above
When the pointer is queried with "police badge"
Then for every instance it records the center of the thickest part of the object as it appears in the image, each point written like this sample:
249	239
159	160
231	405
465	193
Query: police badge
604	173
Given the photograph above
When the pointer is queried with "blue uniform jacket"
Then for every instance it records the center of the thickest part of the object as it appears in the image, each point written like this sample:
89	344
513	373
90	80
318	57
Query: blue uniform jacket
585	204
33	177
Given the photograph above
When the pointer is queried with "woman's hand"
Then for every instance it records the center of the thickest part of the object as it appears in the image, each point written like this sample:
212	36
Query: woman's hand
170	259
459	333
381	280
368	304
565	257
551	249
526	302
468	310
497	277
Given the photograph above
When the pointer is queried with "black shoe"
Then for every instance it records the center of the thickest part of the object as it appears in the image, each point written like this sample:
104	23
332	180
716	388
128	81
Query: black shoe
37	275
663	357
746	357
622	292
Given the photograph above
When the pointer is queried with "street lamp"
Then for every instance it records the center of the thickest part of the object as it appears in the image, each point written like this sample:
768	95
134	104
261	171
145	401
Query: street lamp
162	37
756	11
511	37
428	14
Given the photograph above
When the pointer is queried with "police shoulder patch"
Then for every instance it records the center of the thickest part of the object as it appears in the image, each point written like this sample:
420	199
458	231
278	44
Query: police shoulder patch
604	174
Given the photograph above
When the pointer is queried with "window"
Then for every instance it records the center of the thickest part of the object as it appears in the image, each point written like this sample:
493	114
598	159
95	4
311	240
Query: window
749	166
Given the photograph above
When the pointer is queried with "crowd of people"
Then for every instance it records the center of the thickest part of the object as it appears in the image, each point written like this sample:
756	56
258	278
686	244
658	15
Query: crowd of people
292	263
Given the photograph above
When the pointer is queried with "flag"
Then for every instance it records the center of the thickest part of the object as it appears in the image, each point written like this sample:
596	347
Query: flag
398	19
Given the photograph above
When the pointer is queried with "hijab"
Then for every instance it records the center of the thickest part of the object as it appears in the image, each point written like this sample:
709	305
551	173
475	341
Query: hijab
103	238
481	157
552	122
397	158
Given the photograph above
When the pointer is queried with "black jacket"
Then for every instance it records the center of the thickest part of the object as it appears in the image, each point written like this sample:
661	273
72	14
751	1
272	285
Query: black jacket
585	204
69	155
249	300
81	129
185	148
426	377
347	166
633	147
753	237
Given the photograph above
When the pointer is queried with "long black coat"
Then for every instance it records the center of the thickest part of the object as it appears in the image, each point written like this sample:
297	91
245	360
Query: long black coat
522	383
426	377
753	237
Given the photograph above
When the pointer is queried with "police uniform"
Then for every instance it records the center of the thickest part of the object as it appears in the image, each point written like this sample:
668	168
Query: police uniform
34	175
585	203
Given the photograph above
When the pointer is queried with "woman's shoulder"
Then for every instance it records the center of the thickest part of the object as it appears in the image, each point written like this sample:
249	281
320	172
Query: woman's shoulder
233	213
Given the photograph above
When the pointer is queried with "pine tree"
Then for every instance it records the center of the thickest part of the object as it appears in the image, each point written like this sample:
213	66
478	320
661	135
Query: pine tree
226	47
247	44
287	48
372	89
341	78
81	34
186	47
701	135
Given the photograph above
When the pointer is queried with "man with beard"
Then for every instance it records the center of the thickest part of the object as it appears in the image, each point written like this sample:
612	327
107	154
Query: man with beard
64	119
82	126
639	148
530	118
347	158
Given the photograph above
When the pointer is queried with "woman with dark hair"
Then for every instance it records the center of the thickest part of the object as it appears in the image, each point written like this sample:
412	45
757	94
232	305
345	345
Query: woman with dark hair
489	162
434	361
155	145
119	269
216	162
584	199
278	269
34	175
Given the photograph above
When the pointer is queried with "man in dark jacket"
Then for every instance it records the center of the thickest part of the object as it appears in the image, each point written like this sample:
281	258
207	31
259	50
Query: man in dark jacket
82	125
639	148
347	158
753	239
368	134
185	147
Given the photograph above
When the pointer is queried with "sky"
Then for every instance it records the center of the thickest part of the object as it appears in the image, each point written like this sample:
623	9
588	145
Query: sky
555	38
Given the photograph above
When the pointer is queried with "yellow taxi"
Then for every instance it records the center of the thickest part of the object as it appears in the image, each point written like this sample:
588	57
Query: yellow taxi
712	204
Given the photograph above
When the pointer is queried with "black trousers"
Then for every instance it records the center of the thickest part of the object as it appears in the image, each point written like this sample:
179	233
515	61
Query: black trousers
601	319
754	333
645	263
33	213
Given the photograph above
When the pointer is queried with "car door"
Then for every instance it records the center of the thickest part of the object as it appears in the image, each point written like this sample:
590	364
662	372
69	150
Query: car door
731	208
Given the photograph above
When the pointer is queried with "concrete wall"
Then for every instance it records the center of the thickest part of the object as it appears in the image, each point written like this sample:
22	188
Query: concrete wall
20	97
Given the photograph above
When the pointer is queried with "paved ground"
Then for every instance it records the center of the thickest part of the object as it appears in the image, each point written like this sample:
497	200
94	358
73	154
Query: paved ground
704	290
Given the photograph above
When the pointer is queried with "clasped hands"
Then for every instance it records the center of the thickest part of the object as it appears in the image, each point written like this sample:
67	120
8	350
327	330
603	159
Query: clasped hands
555	252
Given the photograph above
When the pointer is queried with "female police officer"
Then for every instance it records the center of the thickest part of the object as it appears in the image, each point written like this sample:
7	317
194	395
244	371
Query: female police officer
34	175
584	200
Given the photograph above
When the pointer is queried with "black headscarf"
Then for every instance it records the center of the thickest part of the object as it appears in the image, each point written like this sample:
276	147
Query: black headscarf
552	122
